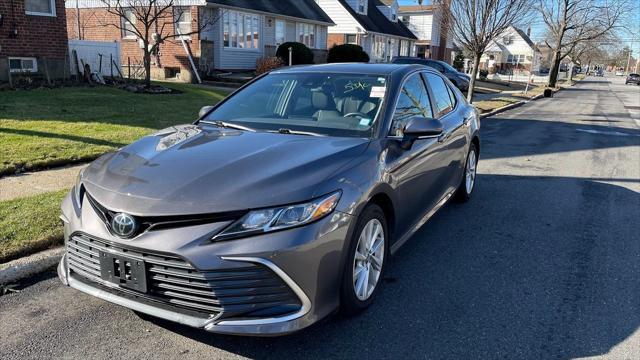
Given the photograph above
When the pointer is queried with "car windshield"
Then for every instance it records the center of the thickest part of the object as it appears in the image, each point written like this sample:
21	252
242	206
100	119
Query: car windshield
334	104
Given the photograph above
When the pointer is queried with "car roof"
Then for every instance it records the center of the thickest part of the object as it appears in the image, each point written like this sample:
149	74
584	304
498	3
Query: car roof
355	68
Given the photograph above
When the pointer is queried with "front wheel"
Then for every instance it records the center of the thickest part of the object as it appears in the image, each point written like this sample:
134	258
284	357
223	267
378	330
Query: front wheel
365	262
463	194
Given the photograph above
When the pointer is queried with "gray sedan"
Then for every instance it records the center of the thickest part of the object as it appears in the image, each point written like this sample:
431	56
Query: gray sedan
279	205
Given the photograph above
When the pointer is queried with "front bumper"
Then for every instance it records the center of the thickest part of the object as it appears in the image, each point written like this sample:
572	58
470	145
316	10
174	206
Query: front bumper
308	259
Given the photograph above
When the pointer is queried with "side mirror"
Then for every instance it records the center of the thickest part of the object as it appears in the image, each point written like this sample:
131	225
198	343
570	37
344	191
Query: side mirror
204	111
420	127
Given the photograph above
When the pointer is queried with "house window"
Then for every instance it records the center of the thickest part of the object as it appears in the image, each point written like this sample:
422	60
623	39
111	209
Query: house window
351	39
515	59
182	21
507	39
379	47
40	7
404	48
406	19
307	34
361	6
128	25
280	32
18	65
394	14
241	30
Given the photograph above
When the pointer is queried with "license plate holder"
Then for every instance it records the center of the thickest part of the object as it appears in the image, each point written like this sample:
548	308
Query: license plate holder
123	271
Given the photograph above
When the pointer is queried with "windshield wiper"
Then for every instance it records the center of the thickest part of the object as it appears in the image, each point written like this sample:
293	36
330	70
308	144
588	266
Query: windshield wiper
295	132
220	123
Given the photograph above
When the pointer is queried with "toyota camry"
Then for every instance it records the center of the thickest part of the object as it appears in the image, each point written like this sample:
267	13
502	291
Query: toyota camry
277	207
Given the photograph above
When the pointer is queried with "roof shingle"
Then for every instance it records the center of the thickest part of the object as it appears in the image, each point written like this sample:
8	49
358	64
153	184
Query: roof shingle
302	9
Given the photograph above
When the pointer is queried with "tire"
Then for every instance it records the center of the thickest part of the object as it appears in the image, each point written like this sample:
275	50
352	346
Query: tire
351	302
464	191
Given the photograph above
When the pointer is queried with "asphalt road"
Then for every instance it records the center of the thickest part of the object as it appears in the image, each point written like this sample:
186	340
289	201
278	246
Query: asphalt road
544	262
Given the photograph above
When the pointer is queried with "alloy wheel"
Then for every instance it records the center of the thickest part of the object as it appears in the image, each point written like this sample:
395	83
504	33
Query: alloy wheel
368	259
470	172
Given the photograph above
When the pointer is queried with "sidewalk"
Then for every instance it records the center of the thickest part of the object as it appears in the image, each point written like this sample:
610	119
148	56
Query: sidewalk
33	183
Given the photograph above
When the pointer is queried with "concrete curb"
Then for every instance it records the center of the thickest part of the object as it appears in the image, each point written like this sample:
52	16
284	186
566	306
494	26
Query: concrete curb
514	105
22	268
501	109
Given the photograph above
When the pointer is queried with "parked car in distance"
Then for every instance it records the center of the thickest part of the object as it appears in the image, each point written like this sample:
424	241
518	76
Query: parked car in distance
600	73
279	205
457	78
620	72
633	79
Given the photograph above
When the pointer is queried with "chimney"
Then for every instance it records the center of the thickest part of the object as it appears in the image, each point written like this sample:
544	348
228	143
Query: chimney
529	31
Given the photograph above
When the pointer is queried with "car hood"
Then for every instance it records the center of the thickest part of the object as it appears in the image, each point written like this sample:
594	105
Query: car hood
194	169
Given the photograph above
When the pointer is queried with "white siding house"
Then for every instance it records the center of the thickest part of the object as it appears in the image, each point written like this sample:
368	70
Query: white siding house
511	53
372	24
425	22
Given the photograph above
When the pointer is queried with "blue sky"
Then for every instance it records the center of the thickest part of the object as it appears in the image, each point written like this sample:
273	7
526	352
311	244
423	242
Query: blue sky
631	38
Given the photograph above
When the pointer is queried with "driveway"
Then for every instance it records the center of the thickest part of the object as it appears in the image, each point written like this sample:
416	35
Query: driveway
544	262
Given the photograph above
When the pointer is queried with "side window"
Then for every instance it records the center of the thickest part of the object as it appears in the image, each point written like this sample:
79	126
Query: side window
443	103
452	96
412	101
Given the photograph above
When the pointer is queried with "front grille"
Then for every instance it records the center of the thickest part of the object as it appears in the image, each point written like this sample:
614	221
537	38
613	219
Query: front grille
250	290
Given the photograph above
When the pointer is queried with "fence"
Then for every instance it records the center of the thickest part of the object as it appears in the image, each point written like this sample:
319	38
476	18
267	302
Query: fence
102	56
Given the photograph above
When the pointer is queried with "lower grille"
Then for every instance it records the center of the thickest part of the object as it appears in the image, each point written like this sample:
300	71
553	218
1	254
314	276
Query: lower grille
251	290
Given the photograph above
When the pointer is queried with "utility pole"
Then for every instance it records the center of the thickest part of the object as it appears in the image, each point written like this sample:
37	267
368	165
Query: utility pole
626	71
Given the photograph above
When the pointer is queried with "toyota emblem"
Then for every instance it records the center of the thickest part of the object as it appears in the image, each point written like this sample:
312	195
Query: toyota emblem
123	225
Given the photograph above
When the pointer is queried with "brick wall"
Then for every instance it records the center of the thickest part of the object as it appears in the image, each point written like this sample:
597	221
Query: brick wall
25	35
97	25
335	39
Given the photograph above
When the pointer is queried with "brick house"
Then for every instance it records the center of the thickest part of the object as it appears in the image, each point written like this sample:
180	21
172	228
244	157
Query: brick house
264	23
33	38
372	24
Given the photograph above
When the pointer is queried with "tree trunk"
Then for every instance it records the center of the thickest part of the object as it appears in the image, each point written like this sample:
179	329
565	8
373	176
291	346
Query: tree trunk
555	68
474	73
147	66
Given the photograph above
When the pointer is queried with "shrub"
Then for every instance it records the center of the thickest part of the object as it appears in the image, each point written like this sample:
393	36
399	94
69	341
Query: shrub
347	53
266	64
301	53
483	74
458	62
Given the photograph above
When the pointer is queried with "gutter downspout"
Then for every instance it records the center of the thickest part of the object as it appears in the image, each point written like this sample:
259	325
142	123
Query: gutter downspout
186	49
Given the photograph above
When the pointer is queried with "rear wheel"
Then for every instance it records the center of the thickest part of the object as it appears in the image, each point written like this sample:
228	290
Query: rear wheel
463	194
365	263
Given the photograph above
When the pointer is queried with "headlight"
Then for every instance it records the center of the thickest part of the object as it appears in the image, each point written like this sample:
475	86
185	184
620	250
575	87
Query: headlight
278	218
77	189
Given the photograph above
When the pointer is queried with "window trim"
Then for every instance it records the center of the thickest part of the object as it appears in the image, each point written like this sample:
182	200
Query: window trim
176	24
36	13
314	29
449	92
284	31
32	70
229	16
420	75
128	34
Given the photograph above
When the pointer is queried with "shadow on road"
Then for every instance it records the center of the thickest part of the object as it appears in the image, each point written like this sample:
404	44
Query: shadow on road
506	137
530	268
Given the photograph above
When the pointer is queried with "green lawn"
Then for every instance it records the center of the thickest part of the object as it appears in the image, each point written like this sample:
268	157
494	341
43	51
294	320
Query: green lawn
30	224
48	127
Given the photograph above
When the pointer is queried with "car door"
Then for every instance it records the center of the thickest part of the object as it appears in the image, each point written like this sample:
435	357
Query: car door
414	172
454	117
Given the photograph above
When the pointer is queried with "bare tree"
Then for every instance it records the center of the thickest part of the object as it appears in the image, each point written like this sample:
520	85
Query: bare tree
153	22
572	22
473	24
